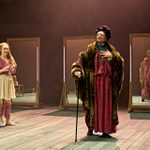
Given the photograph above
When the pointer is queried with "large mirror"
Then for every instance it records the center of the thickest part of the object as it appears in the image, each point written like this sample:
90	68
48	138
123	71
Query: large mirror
139	46
72	46
27	77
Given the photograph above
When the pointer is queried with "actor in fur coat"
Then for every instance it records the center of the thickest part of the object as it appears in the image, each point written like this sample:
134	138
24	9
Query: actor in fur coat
100	73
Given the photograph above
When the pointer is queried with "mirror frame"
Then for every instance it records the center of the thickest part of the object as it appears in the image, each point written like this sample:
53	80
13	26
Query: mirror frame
132	107
64	97
37	102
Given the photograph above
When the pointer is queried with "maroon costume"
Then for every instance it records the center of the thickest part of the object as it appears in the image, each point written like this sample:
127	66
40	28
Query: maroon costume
100	87
103	97
100	73
145	78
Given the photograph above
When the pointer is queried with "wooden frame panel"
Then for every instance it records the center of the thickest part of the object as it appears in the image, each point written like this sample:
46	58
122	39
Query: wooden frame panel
72	46
139	43
32	68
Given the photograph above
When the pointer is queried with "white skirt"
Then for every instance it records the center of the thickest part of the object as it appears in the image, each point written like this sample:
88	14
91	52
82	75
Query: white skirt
7	89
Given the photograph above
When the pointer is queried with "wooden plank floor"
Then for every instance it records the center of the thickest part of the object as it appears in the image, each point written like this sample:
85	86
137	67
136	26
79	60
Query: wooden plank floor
36	131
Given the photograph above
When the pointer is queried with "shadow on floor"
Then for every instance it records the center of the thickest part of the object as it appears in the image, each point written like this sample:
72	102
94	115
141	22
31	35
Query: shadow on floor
20	108
66	113
94	142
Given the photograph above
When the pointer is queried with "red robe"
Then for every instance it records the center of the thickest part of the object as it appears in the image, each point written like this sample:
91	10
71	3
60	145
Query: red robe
103	97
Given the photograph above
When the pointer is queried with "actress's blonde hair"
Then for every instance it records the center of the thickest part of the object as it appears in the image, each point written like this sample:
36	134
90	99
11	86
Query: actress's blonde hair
9	56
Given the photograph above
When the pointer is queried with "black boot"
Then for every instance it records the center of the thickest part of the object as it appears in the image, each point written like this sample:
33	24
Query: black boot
90	132
106	135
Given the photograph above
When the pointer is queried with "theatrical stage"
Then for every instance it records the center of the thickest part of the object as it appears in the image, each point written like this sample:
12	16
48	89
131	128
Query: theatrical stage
51	129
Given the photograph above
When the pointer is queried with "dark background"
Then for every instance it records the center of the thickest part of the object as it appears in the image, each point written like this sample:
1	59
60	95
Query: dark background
51	20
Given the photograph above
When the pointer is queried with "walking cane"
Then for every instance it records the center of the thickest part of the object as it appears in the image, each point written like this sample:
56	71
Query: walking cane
77	92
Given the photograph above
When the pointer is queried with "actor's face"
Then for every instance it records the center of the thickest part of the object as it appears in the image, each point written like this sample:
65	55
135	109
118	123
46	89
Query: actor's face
100	37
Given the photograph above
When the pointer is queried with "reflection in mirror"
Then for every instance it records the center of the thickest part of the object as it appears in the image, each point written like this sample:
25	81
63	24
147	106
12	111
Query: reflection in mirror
72	46
138	98
26	79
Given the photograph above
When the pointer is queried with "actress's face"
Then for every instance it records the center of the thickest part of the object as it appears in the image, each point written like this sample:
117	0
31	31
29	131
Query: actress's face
100	37
5	50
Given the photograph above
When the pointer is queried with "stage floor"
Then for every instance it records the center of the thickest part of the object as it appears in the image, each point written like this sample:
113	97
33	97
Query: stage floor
51	129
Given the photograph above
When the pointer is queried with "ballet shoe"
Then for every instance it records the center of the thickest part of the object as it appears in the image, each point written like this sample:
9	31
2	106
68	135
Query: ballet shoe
2	124
10	123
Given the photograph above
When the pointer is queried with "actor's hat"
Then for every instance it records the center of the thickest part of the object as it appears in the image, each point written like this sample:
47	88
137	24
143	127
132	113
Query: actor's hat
106	30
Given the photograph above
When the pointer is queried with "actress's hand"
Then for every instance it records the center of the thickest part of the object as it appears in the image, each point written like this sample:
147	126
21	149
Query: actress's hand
5	69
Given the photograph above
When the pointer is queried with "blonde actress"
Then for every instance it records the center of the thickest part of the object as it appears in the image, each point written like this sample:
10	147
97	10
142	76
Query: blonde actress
7	89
